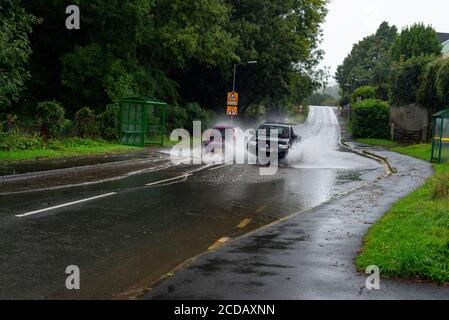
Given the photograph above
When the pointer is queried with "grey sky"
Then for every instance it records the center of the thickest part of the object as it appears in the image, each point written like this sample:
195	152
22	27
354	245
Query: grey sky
349	21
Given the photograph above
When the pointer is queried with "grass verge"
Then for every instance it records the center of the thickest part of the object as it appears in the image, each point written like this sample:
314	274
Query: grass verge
377	142
420	151
412	240
69	147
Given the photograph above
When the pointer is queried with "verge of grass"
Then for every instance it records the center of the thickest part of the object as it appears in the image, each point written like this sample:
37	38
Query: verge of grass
377	142
68	147
420	151
412	240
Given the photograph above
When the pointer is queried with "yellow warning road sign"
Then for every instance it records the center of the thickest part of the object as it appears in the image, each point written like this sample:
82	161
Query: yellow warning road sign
231	111
233	99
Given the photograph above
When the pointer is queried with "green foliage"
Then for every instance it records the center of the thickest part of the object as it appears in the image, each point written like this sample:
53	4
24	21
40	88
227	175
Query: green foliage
177	51
176	118
416	40
364	92
109	122
369	61
17	140
84	123
405	80
32	148
442	84
440	186
370	119
427	94
15	26
51	118
320	99
196	113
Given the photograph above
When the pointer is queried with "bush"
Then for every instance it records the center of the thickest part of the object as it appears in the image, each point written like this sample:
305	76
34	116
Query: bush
405	80
85	123
196	113
176	118
51	118
365	92
442	83
17	140
370	119
109	122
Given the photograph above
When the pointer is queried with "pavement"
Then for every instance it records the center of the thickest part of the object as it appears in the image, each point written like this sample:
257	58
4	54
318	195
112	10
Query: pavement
310	255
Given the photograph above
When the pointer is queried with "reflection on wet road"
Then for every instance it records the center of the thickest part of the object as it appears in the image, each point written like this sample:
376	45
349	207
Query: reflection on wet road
145	229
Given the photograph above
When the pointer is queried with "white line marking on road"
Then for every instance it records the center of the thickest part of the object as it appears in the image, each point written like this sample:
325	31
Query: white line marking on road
219	167
167	180
201	169
65	205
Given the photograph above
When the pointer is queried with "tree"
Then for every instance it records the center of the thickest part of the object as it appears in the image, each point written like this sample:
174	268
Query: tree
405	80
369	62
416	40
178	51
15	26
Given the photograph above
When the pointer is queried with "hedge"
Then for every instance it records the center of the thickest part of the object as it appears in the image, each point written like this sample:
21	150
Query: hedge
370	119
364	92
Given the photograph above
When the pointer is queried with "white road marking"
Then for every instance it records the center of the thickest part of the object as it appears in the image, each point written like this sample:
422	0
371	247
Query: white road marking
167	180
65	205
219	167
202	168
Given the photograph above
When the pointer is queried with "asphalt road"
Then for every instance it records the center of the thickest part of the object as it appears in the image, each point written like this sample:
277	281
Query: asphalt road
125	234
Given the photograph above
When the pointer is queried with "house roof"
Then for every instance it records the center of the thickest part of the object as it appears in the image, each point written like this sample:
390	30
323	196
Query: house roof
443	37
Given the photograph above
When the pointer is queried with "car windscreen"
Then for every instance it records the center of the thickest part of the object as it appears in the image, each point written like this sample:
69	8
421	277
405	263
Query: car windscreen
282	132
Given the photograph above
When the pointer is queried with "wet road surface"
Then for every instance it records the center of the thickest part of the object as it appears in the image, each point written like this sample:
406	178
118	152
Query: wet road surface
143	227
310	255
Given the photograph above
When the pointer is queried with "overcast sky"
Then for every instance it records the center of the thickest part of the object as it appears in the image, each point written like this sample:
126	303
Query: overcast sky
349	21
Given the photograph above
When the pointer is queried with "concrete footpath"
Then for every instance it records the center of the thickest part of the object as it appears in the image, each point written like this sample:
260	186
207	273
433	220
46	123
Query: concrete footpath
309	256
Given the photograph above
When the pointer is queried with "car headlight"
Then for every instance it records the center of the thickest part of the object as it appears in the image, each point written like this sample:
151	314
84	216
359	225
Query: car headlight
252	143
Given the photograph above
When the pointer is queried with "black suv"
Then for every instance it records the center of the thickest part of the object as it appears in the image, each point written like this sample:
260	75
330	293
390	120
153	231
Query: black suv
286	138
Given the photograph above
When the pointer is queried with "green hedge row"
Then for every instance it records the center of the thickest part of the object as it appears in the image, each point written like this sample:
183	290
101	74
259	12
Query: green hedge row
370	119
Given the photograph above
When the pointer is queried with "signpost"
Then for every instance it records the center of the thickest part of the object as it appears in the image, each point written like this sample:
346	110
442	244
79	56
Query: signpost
233	98
232	111
232	104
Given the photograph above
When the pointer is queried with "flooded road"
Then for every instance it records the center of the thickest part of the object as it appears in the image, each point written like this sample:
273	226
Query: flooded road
145	228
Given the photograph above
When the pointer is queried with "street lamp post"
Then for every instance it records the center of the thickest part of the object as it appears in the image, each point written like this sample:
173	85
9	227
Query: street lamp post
235	73
234	79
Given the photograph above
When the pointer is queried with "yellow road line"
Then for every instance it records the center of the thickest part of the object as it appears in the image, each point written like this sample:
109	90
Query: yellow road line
261	209
219	243
244	223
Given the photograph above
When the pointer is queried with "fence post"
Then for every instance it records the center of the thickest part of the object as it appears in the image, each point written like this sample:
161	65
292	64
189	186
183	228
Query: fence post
392	131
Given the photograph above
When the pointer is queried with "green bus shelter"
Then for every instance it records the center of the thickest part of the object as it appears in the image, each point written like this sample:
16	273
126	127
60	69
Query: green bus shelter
142	121
440	136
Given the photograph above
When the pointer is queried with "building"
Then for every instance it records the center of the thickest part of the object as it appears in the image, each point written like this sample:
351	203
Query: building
444	39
